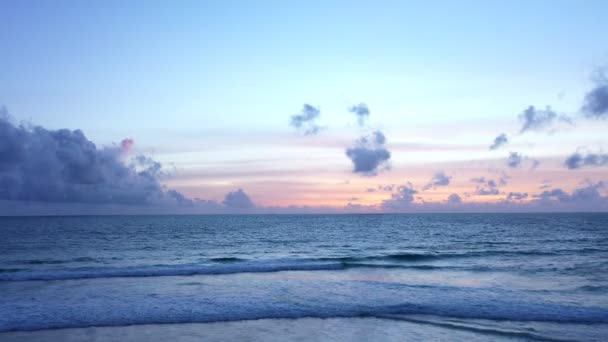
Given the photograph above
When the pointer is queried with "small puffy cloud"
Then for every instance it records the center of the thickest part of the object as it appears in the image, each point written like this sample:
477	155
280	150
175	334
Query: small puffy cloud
485	186
595	104
305	120
515	159
517	196
388	188
439	179
361	111
454	199
578	160
534	119
499	141
478	180
369	154
403	196
238	200
535	164
486	191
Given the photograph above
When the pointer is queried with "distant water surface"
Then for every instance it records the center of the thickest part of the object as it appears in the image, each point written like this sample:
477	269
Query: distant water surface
452	277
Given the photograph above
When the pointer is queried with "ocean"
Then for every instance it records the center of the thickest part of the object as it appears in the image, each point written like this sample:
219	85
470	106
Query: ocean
435	277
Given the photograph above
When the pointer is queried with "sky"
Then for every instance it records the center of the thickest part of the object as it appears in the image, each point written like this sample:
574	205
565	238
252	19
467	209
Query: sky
317	106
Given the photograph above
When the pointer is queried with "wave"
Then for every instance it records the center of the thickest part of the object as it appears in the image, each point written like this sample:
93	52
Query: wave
238	307
231	265
58	261
168	270
430	256
227	259
497	331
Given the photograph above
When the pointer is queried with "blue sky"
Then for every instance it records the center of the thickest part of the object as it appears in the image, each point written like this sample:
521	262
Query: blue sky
208	88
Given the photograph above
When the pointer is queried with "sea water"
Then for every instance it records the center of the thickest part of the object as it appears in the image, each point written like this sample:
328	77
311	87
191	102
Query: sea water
305	277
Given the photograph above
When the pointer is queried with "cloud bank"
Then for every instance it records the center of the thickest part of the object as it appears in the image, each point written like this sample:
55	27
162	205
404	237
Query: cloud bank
62	165
50	172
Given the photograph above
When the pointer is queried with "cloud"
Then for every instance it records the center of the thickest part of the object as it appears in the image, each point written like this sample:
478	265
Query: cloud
595	104
535	164
518	196
589	193
238	200
62	165
578	160
126	145
486	191
388	188
515	159
439	179
499	141
454	199
503	180
485	187
537	119
362	112
479	180
369	154
305	120
403	196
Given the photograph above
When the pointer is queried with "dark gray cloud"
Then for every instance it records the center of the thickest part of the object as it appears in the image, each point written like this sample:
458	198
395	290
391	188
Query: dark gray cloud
578	160
538	119
403	196
439	179
362	112
305	120
515	159
238	200
62	165
454	199
369	154
595	104
499	141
